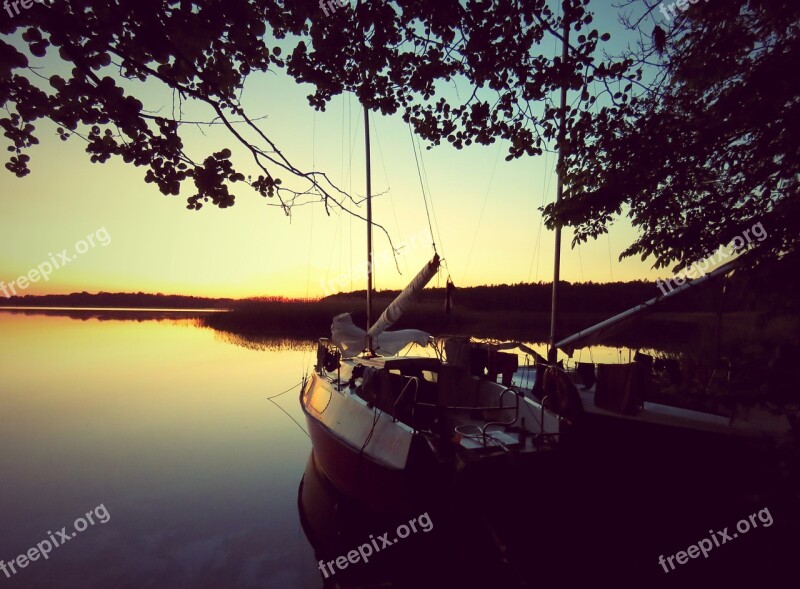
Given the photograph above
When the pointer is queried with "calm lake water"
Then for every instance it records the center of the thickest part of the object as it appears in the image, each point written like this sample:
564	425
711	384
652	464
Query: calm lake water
167	426
161	431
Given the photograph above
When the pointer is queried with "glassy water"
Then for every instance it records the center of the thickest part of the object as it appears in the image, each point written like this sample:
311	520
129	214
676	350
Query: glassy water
162	431
146	454
168	428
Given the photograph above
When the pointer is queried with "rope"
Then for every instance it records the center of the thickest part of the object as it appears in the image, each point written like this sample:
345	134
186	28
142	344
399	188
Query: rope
376	416
271	400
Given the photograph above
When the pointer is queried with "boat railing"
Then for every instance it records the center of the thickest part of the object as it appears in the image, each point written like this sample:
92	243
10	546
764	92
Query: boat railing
500	406
545	438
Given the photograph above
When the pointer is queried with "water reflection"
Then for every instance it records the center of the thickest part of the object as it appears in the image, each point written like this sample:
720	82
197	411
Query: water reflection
167	425
264	343
445	547
170	430
571	523
110	314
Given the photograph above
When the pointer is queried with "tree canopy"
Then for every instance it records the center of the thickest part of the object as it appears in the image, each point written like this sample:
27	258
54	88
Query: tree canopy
712	148
391	55
687	132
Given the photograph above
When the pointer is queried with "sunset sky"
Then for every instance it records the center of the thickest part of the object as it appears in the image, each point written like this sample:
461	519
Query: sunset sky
486	211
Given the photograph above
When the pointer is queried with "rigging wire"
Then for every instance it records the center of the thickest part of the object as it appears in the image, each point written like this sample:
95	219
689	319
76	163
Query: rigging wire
422	187
608	233
433	208
388	190
348	178
350	172
311	233
537	250
348	145
610	265
537	254
371	249
342	144
313	167
330	257
483	208
430	195
350	234
536	258
349	169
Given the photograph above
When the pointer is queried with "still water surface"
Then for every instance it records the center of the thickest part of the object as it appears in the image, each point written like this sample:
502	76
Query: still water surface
167	426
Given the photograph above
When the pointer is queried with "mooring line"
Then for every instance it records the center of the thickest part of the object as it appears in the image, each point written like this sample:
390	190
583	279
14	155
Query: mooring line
289	415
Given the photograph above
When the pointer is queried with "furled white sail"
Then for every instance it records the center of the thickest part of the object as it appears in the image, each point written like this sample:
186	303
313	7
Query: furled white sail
352	340
405	299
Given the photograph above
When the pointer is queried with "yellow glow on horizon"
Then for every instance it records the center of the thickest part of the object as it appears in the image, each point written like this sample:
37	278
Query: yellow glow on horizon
487	232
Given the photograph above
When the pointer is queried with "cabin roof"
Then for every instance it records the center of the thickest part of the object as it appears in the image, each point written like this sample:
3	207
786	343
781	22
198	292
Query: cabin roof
404	363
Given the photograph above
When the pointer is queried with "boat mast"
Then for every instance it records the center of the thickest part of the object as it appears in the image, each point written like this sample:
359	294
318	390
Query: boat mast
369	349
552	353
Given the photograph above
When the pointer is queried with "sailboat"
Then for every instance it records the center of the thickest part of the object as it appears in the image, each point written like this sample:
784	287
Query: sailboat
386	429
610	398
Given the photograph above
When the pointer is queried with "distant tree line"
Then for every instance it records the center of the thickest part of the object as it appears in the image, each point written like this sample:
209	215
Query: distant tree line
593	297
117	300
742	294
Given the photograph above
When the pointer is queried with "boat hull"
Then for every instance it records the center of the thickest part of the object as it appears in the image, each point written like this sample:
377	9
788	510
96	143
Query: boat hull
362	455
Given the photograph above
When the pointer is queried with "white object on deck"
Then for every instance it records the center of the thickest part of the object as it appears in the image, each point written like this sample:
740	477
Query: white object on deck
352	340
